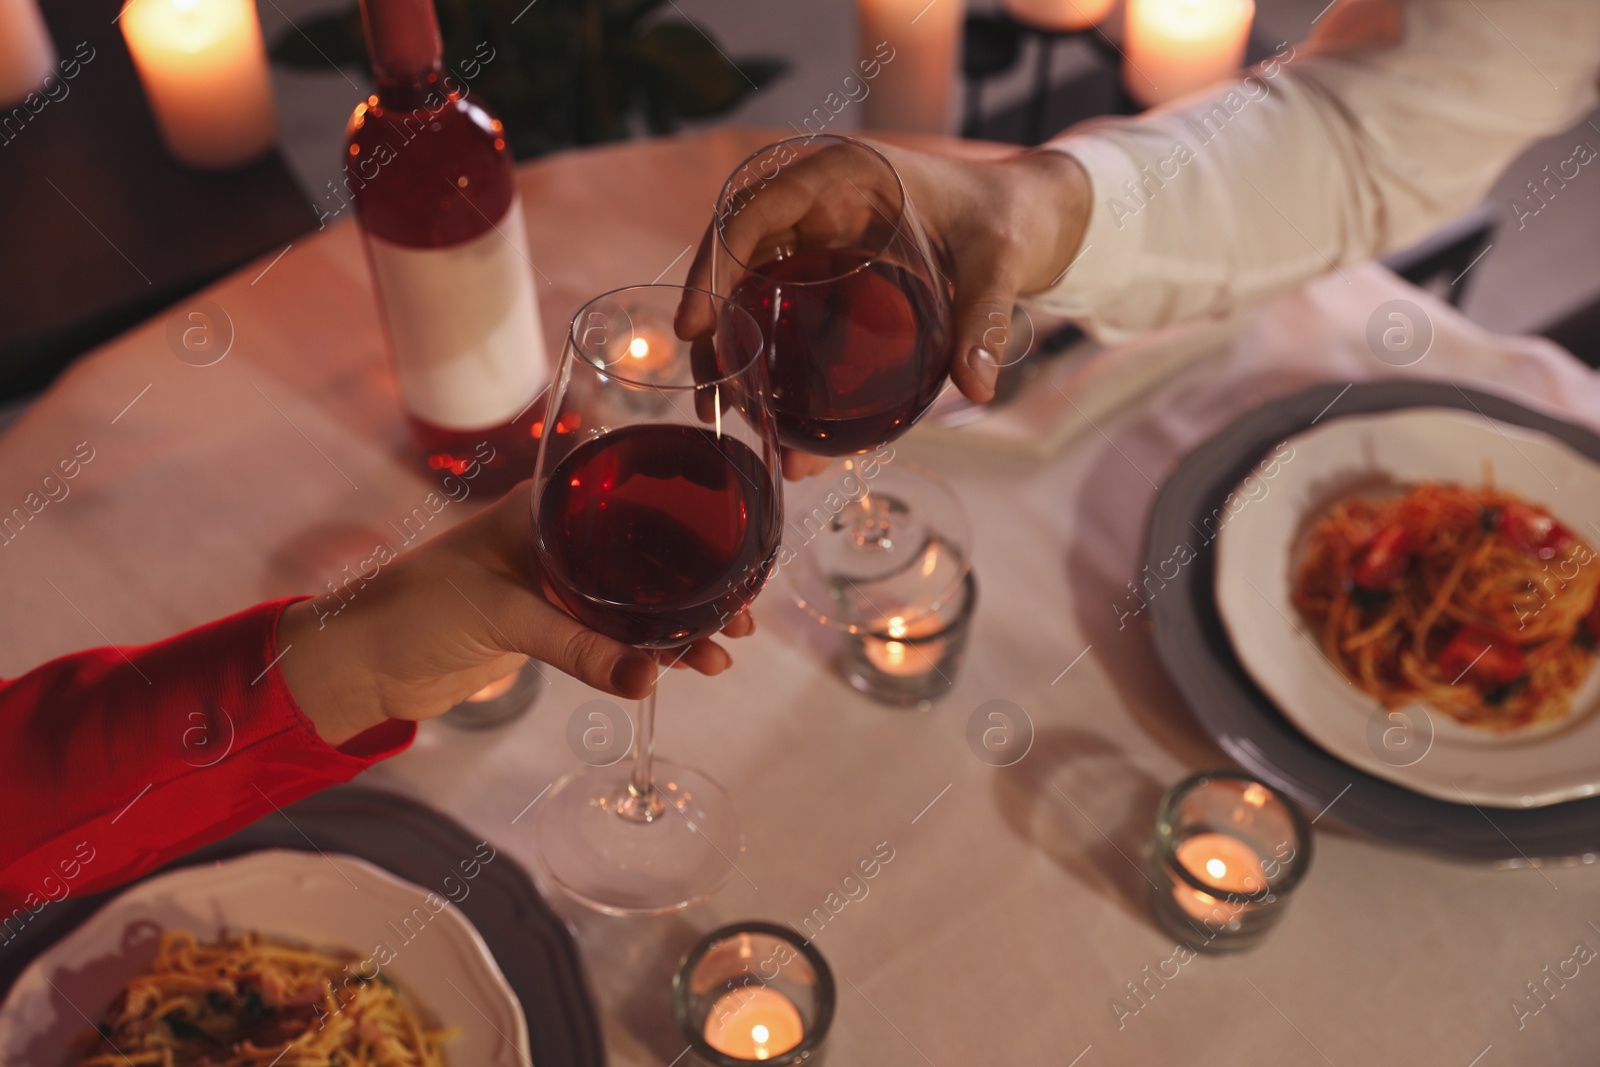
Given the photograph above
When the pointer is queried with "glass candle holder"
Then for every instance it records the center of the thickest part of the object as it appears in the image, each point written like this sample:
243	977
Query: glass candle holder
912	662
1228	853
753	992
501	701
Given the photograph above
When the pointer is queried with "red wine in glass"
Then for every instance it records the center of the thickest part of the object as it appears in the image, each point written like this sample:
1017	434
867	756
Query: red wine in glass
657	534
856	346
816	239
656	520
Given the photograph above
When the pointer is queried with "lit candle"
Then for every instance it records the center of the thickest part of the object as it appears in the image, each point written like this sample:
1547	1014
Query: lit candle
647	350
754	1022
204	70
909	55
1060	16
1173	47
26	54
901	659
497	688
1224	863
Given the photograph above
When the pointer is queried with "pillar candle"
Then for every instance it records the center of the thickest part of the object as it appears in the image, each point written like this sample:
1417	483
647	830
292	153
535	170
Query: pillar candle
1060	16
1173	47
26	53
204	69
916	48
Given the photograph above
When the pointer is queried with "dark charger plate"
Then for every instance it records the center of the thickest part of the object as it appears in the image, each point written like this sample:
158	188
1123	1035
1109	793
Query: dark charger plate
1193	644
530	943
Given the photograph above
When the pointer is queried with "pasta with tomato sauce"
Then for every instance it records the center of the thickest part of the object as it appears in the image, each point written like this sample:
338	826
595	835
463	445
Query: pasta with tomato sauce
1471	600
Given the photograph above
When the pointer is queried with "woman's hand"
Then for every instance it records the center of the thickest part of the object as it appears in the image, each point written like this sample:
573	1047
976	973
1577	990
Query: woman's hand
1011	227
442	621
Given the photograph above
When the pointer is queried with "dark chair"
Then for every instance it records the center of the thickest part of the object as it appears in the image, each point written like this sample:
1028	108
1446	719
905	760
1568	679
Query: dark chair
1442	261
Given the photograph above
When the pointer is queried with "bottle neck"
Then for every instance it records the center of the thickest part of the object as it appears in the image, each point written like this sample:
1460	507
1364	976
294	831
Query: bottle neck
404	44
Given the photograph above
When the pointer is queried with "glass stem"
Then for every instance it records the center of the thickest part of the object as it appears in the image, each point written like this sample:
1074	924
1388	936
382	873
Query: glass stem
642	803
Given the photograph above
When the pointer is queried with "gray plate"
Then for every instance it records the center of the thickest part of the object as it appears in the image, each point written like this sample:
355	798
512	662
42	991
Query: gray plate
1193	644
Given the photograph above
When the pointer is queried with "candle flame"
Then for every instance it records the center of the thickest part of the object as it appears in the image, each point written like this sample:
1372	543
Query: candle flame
897	627
1216	868
759	1033
1255	795
638	348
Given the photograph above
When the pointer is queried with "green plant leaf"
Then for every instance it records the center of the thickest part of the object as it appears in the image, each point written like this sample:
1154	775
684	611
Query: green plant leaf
563	72
681	69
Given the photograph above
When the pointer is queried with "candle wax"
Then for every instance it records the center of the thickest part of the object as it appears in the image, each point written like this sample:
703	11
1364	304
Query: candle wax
900	659
1173	47
910	53
754	1022
647	350
27	55
1224	862
204	69
498	687
1060	15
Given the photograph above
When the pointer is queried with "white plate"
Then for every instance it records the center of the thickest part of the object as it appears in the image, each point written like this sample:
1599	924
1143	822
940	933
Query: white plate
333	901
1424	750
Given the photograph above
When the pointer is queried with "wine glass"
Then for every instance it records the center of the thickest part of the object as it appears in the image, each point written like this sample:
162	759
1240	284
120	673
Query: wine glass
657	520
818	241
816	238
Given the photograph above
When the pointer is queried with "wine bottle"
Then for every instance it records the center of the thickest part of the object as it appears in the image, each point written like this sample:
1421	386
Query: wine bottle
435	193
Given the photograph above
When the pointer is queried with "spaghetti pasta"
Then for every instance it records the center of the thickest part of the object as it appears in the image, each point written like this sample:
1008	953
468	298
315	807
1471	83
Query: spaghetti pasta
1470	600
250	1002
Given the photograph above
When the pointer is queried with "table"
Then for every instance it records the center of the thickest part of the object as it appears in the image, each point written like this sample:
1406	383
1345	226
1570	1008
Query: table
1010	920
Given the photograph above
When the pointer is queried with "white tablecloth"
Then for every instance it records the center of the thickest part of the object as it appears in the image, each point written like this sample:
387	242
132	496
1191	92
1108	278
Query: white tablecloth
1012	918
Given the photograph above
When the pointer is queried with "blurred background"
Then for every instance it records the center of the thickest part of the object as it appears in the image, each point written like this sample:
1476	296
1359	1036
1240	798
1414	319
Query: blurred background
567	73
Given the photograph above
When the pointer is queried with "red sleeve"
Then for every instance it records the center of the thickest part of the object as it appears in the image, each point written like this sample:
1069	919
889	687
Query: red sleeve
116	760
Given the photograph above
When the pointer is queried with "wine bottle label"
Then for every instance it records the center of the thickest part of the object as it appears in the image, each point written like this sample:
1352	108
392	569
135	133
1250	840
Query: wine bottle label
463	323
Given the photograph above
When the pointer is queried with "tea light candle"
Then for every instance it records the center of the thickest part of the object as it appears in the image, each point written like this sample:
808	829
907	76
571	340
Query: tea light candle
647	351
1059	16
753	992
499	702
753	1023
1227	864
496	688
204	69
1173	47
911	663
27	55
914	48
894	656
1228	853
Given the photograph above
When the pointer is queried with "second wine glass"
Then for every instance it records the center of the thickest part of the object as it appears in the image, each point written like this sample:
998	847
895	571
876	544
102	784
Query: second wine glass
816	238
657	520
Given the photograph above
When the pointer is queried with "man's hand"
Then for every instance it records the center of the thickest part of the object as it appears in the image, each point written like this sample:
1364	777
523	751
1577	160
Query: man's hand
1010	226
444	620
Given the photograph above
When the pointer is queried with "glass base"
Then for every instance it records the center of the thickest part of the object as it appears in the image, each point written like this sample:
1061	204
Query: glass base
607	850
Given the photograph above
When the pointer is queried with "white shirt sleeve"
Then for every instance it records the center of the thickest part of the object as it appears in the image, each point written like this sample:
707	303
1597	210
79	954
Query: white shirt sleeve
1315	161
